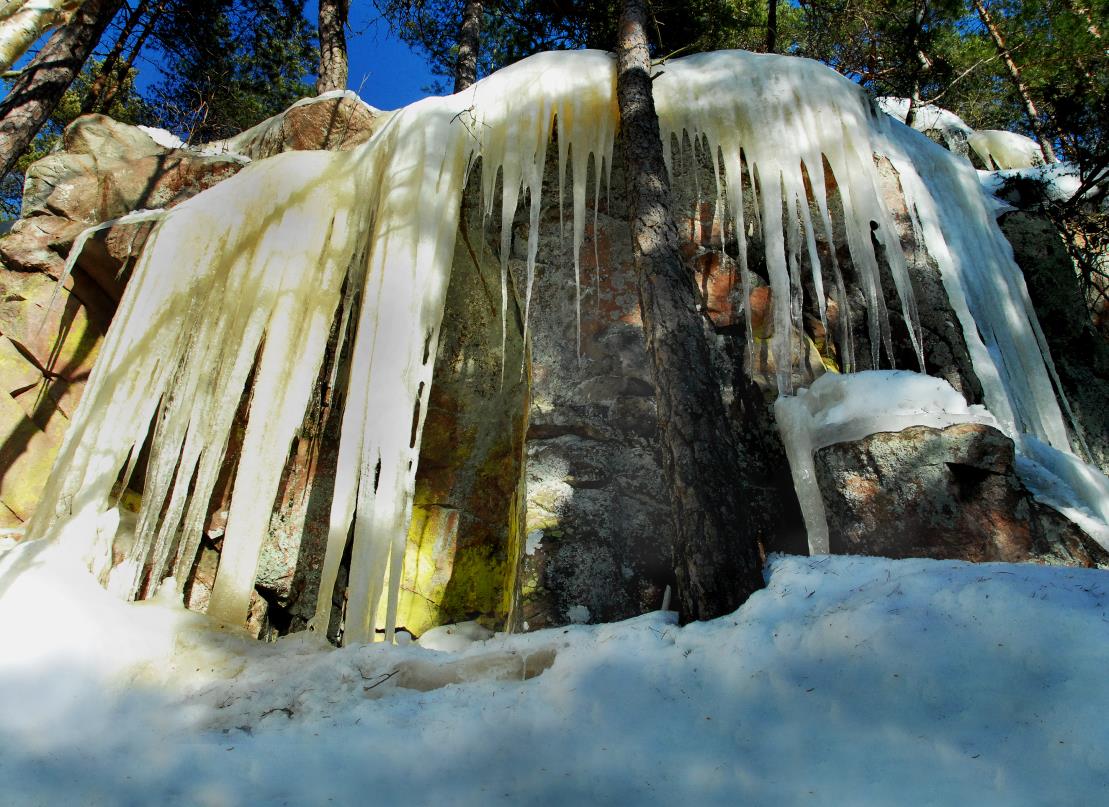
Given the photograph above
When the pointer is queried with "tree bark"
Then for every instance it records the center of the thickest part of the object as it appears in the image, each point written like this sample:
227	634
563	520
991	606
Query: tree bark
1030	110
333	46
469	41
23	23
40	87
772	26
715	554
923	63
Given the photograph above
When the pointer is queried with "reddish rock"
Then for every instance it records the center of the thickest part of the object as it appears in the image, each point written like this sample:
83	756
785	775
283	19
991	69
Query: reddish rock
941	493
39	244
90	189
335	123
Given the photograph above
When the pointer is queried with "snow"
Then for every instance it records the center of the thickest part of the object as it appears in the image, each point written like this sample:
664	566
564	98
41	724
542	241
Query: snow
926	117
163	138
1004	149
1059	181
849	680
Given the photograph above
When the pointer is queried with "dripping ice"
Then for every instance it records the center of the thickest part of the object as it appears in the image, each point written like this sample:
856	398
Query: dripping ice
245	282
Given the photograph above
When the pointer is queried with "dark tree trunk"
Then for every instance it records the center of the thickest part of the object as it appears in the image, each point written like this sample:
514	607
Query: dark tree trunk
1030	110
716	556
41	85
469	40
116	83
111	61
772	26
923	63
333	46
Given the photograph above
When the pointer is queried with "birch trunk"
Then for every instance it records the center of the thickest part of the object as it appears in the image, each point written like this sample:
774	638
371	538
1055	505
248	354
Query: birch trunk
23	23
40	87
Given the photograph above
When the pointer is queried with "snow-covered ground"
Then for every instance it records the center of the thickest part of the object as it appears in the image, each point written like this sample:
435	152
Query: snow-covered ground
848	681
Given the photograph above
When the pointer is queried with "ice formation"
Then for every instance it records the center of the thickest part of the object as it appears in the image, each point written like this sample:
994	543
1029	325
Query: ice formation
925	117
240	287
840	408
1004	150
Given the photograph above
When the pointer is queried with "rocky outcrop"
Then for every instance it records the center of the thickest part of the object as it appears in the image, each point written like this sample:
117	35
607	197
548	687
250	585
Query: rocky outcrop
335	121
1080	351
540	498
50	335
948	493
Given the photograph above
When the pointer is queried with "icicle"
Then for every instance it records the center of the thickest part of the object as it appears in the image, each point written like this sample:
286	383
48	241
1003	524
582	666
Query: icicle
78	247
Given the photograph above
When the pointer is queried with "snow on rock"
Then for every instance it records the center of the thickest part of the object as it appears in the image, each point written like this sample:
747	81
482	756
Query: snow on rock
847	680
163	138
926	117
845	408
838	408
1004	149
1058	182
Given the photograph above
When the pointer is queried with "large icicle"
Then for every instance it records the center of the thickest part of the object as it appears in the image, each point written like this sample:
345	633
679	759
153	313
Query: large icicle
787	116
506	120
181	348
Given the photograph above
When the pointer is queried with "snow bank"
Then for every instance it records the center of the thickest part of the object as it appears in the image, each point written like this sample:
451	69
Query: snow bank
1059	181
847	681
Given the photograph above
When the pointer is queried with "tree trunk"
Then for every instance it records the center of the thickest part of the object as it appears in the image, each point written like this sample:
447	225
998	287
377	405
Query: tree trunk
469	40
117	82
716	557
40	87
25	22
772	26
333	46
100	83
923	63
1022	89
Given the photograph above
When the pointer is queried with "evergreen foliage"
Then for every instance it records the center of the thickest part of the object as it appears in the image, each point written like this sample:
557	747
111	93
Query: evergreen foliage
230	64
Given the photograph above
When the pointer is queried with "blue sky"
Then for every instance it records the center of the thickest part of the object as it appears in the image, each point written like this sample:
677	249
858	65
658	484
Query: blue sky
382	68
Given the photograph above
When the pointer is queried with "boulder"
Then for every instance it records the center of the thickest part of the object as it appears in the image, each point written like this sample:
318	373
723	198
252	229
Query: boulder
948	493
90	188
333	121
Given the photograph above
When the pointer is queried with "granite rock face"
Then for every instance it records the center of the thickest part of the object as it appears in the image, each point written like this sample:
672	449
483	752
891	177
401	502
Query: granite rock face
941	493
540	499
333	122
1079	350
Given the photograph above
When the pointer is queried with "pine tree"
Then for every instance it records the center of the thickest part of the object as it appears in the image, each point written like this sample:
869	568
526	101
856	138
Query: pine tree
333	70
230	64
716	556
